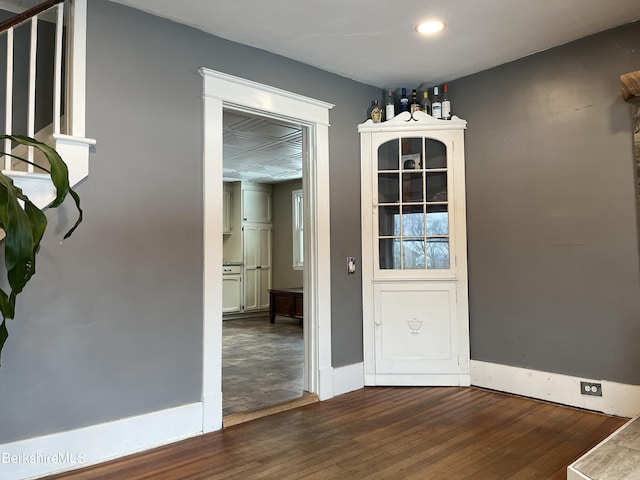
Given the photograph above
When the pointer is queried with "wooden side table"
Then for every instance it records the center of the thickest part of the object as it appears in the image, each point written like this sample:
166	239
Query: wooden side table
286	302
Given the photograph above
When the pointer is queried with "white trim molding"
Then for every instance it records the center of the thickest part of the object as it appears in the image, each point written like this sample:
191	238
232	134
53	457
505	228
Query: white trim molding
348	378
617	398
222	91
39	187
59	452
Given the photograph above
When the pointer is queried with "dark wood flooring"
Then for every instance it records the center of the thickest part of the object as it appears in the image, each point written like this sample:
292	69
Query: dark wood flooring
433	433
262	363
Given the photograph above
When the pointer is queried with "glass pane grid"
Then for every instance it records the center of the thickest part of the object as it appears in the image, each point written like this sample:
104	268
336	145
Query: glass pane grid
413	213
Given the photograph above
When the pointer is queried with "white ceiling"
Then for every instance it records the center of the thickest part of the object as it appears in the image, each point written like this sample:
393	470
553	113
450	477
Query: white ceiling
374	42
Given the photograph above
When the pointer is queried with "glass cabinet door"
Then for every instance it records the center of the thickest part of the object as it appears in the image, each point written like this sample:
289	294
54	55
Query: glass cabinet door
413	205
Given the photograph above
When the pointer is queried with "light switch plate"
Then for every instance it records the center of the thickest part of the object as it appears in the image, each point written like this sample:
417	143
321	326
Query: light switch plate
351	265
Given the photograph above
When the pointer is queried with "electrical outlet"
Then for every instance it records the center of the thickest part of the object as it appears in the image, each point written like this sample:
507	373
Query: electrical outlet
591	388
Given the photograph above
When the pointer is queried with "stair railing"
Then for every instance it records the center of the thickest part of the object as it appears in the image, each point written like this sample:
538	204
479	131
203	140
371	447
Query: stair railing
64	120
7	28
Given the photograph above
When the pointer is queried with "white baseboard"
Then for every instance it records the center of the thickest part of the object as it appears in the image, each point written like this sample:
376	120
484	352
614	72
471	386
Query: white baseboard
325	383
211	412
417	380
617	398
348	378
49	454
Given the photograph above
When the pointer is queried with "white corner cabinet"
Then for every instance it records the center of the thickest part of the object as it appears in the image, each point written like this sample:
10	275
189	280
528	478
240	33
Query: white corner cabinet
414	251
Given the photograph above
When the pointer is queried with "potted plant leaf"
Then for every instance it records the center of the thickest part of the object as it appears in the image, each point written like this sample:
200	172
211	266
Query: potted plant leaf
24	224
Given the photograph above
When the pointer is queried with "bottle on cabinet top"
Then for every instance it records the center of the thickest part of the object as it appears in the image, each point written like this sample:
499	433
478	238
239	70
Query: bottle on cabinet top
436	105
390	110
414	106
376	112
369	109
404	101
426	103
446	103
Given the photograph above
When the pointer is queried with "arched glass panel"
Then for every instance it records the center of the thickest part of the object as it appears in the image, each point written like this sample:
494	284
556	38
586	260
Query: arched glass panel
413	204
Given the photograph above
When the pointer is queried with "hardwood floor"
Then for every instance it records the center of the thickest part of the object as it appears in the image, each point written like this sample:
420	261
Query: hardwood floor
262	363
439	433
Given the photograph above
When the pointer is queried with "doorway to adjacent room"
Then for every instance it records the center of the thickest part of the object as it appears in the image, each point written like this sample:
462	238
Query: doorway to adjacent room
224	92
263	360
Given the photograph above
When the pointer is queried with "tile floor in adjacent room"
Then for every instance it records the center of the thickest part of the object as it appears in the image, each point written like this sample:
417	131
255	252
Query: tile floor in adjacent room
618	458
262	363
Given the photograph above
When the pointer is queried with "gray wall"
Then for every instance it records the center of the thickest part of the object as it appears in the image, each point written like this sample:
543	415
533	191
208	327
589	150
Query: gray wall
284	276
112	324
553	250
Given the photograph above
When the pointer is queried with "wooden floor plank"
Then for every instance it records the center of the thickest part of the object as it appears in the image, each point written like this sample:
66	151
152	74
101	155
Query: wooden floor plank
443	433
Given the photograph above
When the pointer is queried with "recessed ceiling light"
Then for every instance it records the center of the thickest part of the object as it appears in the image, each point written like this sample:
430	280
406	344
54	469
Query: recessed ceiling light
430	27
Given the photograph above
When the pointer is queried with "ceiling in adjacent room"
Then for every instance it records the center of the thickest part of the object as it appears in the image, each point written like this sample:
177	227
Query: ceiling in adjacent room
258	149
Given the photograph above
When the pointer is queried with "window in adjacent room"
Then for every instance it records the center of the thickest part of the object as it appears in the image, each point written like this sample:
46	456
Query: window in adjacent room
297	223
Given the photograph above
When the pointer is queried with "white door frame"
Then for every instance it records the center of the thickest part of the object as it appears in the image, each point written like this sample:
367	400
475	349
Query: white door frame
226	91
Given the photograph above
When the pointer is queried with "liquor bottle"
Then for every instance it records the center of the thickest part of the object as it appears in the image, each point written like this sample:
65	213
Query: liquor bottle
376	112
404	101
436	106
446	103
426	103
414	106
390	110
373	103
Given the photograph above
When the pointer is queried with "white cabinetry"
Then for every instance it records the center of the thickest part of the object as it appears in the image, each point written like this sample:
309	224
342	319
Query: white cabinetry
256	203
257	265
227	202
257	232
414	263
231	288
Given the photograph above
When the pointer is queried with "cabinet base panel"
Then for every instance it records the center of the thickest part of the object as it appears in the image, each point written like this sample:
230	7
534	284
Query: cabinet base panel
417	380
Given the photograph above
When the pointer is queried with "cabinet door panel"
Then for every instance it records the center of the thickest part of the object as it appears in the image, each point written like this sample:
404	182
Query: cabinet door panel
257	266
256	206
231	291
412	208
265	284
264	246
415	328
251	247
250	288
226	211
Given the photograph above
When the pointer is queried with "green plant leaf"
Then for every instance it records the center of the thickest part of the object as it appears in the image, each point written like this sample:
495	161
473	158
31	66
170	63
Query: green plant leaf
3	334
58	171
24	224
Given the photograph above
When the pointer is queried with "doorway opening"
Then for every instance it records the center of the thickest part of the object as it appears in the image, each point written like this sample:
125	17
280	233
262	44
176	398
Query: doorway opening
263	347
225	92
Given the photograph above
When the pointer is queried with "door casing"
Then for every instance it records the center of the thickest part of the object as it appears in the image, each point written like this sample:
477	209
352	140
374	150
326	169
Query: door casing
222	91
